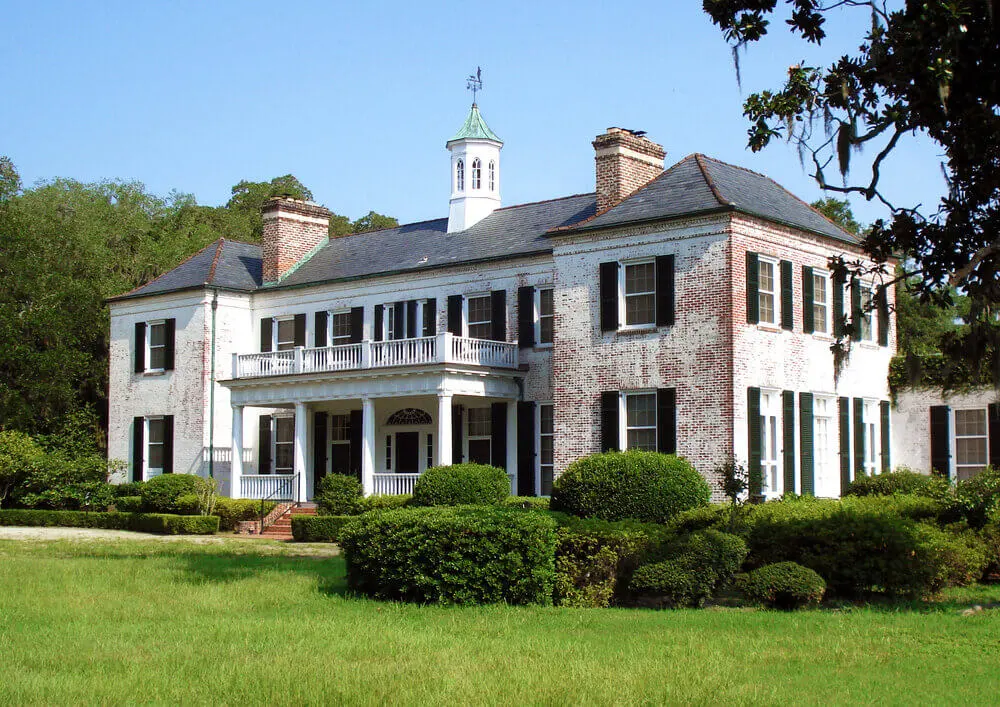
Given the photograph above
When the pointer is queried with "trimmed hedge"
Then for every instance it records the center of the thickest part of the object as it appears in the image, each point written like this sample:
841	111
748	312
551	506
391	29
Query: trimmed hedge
452	555
128	504
338	495
160	494
384	502
129	488
645	486
978	498
318	529
901	481
232	510
527	503
142	522
461	484
784	585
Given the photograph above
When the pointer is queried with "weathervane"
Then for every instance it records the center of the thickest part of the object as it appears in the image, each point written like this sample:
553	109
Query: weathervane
475	83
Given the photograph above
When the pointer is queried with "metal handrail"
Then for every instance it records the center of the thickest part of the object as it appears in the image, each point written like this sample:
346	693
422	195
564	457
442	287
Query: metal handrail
294	481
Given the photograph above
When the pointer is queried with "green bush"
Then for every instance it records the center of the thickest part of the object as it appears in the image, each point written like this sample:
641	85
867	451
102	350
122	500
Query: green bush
19	455
595	558
233	510
716	516
978	498
989	535
919	508
784	585
318	529
646	486
689	569
384	502
187	505
130	488
527	503
128	504
901	481
460	555
338	495
55	481
160	494
461	484
142	522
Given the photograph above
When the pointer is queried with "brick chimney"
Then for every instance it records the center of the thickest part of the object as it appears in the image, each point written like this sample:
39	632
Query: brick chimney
625	161
292	229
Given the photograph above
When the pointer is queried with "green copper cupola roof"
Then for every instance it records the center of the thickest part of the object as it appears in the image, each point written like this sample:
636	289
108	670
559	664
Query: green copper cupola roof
475	128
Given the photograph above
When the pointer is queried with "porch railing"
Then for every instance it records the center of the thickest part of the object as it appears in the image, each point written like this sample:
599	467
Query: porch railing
443	348
394	484
276	487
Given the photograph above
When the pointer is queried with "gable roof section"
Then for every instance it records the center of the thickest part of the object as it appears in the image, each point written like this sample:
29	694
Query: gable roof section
699	184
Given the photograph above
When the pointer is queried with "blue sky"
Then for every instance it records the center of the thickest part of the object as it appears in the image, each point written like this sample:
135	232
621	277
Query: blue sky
358	99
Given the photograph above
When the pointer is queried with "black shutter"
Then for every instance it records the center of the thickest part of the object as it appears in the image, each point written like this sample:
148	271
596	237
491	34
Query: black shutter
666	420
169	334
430	317
859	438
526	449
319	449
138	424
808	299
455	315
357	324
266	334
787	296
882	306
377	324
300	330
806	463
411	319
993	435
498	307
498	443
357	427
664	290
940	440
399	320
788	438
264	445
884	414
609	421
319	330
608	284
844	410
168	444
753	289
525	317
755	469
855	309
838	306
457	432
140	347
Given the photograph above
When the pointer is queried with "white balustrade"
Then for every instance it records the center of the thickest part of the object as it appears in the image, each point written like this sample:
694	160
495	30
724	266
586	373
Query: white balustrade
395	484
404	352
276	487
483	352
331	358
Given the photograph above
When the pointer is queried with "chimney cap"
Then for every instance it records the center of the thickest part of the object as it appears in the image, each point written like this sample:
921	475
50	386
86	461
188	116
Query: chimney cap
299	206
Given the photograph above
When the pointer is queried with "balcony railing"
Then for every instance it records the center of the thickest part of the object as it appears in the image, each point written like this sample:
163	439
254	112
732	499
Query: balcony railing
443	348
396	484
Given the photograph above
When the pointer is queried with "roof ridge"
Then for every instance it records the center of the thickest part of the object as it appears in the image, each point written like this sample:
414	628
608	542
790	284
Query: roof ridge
708	179
167	272
220	244
544	201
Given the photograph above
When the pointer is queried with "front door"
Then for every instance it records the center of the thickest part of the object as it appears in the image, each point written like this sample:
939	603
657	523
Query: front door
407	452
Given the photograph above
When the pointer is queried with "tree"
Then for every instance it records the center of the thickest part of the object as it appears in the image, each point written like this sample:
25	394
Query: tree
928	68
373	222
839	211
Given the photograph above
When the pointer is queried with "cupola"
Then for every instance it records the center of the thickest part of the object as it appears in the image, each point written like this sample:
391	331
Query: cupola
475	172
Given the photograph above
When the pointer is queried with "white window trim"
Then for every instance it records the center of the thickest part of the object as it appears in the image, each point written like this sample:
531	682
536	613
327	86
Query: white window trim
274	330
147	470
775	293
537	316
538	444
465	310
147	345
953	437
331	442
828	285
776	412
825	460
492	175
871	314
329	326
460	175
872	458
274	441
476	174
623	427
622	265
466	437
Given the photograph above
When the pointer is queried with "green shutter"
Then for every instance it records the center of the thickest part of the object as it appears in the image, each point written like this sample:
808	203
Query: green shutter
882	302
788	438
844	408
808	298
787	296
754	468
855	309
806	463
884	410
753	289
859	438
838	306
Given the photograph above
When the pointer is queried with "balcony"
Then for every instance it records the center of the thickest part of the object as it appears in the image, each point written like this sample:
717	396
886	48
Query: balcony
373	355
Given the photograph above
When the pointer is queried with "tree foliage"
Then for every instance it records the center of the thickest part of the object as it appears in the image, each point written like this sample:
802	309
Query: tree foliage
927	69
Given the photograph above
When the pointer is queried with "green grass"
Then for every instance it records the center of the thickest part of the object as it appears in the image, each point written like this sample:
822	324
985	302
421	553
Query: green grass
243	622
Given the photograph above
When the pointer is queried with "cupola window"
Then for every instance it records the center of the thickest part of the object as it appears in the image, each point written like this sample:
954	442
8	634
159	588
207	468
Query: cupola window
477	174
460	176
493	175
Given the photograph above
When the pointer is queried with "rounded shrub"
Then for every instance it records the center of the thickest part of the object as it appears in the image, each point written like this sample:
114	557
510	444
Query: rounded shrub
160	494
461	484
672	583
129	488
901	481
644	486
338	495
978	498
784	585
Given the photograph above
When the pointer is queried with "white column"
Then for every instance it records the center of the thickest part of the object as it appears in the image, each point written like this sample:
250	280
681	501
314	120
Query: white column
301	420
236	468
512	443
444	430
368	445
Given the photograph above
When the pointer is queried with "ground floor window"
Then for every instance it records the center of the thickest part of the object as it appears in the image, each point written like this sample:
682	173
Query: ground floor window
825	446
480	434
156	437
340	444
970	442
640	421
546	434
770	456
284	445
870	420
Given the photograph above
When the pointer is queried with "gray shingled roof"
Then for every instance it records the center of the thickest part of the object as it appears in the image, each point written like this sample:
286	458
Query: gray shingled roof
699	183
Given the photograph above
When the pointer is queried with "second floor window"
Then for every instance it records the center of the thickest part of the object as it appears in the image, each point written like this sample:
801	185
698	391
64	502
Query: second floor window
546	316
766	292
477	174
821	303
867	313
340	328
639	290
284	334
479	317
157	338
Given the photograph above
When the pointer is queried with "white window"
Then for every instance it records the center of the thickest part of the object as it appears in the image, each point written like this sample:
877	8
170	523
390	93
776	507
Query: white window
825	447
479	316
156	429
872	432
156	345
340	328
460	176
544	315
970	442
284	445
477	173
770	456
640	421
493	176
388	452
389	322
767	300
638	293
340	442
867	313
284	333
430	450
479	434
821	303
546	458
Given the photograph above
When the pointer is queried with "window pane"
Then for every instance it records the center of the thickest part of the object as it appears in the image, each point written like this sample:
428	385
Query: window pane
283	457
766	307
640	278
157	357
545	419
545	306
156	431
819	289
639	309
155	456
642	439
971	450
546	330
341	326
157	334
286	334
284	429
765	272
546	489
640	410
479	451
970	422
480	422
341	428
480	317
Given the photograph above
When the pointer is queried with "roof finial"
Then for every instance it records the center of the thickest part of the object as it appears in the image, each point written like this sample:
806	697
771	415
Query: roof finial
474	83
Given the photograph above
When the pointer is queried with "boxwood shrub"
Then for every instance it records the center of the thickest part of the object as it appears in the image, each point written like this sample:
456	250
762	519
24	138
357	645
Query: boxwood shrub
318	529
143	522
338	495
233	510
160	494
384	502
784	585
901	481
461	484
527	503
456	555
978	498
129	488
128	504
645	486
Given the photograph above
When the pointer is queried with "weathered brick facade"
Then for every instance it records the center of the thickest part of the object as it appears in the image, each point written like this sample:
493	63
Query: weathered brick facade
624	162
292	230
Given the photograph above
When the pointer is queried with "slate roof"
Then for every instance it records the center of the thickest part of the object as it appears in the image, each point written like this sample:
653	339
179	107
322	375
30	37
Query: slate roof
475	127
696	184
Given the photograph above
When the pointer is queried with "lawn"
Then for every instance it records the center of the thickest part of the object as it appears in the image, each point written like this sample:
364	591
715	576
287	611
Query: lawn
251	622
